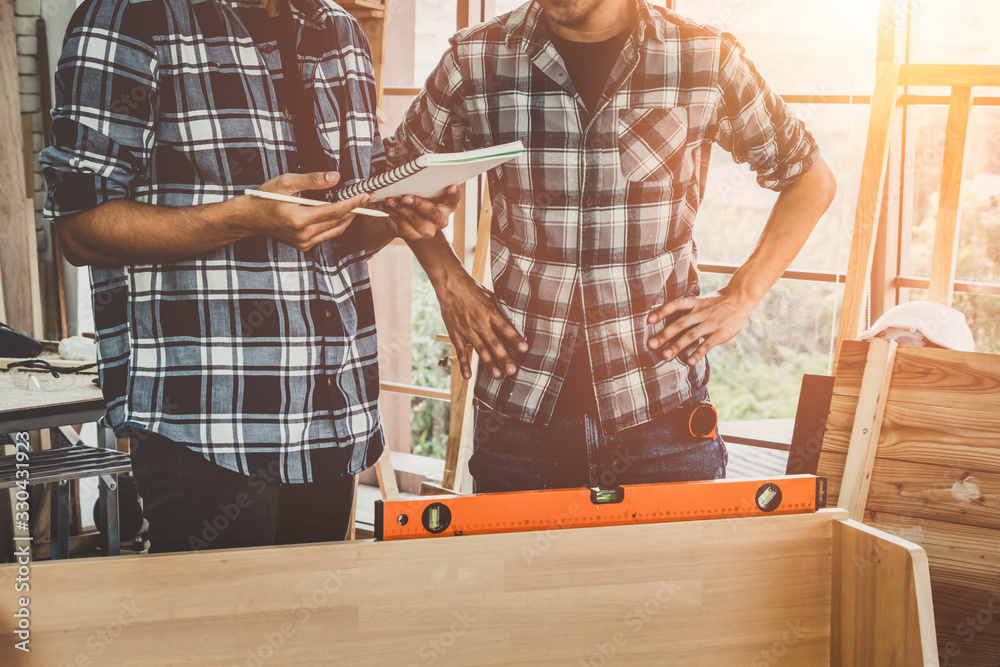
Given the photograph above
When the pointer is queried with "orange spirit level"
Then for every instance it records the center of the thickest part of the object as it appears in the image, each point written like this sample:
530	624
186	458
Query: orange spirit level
519	511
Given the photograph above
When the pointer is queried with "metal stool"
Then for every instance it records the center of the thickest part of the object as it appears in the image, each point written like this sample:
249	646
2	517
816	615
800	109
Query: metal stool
60	465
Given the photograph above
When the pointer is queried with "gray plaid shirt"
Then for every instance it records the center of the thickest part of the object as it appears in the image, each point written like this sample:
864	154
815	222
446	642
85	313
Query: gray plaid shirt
261	357
607	201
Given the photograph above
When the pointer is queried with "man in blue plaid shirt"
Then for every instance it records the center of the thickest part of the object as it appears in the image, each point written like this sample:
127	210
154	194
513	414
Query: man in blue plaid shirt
619	104
236	335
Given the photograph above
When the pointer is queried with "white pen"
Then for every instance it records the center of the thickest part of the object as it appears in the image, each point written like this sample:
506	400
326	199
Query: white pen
288	199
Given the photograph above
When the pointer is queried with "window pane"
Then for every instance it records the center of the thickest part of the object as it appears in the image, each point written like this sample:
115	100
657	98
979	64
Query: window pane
429	427
757	375
811	47
417	34
925	128
979	236
981	312
427	324
735	208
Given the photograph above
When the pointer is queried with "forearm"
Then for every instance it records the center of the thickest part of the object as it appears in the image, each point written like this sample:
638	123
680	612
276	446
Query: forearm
439	261
376	233
124	232
793	218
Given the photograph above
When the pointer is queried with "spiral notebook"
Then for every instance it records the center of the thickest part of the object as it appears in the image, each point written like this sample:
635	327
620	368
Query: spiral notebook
430	175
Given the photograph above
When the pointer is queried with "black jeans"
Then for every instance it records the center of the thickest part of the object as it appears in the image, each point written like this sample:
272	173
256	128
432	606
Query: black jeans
193	504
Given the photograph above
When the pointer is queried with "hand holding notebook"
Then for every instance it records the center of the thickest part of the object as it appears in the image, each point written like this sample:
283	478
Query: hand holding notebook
430	174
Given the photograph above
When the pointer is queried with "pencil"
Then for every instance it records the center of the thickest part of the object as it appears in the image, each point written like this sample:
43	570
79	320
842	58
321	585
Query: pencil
288	199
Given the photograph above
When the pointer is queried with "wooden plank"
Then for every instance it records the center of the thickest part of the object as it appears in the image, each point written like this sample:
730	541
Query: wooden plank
947	493
881	587
968	625
949	75
869	201
923	375
866	427
943	435
386	475
17	238
965	577
415	390
935	479
959	555
950	197
653	594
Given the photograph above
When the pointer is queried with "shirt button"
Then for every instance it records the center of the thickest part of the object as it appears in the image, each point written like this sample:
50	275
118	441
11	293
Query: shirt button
329	381
288	114
328	312
589	201
267	48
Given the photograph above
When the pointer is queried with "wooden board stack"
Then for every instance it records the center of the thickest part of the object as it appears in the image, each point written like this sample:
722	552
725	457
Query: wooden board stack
935	480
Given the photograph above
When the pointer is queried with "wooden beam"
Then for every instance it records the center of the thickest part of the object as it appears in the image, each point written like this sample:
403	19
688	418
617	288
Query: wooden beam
386	476
949	75
18	261
867	427
946	233
415	390
869	201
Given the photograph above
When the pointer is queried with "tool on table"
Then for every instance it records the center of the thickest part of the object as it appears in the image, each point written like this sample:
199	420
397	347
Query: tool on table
288	199
520	511
16	344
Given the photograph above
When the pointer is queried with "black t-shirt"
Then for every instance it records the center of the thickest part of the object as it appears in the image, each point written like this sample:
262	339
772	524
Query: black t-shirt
589	65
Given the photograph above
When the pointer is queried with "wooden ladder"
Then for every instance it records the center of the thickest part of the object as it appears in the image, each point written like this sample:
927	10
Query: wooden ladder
890	77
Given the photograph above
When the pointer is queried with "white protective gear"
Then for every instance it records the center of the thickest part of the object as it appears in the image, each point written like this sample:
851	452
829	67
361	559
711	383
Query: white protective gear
938	324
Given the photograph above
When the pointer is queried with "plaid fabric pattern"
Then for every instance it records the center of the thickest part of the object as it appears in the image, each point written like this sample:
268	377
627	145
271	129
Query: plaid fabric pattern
261	357
605	201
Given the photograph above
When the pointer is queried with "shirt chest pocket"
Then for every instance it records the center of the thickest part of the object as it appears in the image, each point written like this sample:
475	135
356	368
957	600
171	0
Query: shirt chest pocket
651	142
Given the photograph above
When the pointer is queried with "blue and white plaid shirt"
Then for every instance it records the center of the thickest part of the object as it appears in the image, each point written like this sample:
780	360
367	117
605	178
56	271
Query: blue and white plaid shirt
261	357
606	201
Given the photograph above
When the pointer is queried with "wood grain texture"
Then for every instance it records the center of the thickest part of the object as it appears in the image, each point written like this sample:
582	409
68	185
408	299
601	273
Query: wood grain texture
866	427
960	555
968	625
958	495
18	262
881	587
936	478
956	436
705	593
945	251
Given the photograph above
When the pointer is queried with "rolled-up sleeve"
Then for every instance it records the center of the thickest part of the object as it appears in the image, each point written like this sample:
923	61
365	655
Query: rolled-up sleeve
437	120
756	126
105	115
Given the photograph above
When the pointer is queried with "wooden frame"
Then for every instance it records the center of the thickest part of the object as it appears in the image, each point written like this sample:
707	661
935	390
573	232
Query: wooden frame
933	478
889	79
804	588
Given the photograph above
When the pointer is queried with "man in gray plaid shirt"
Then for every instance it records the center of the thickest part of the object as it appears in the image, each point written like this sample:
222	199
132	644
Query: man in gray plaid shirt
236	335
618	103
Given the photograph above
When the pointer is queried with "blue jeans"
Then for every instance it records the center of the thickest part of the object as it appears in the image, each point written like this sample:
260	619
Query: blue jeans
509	455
